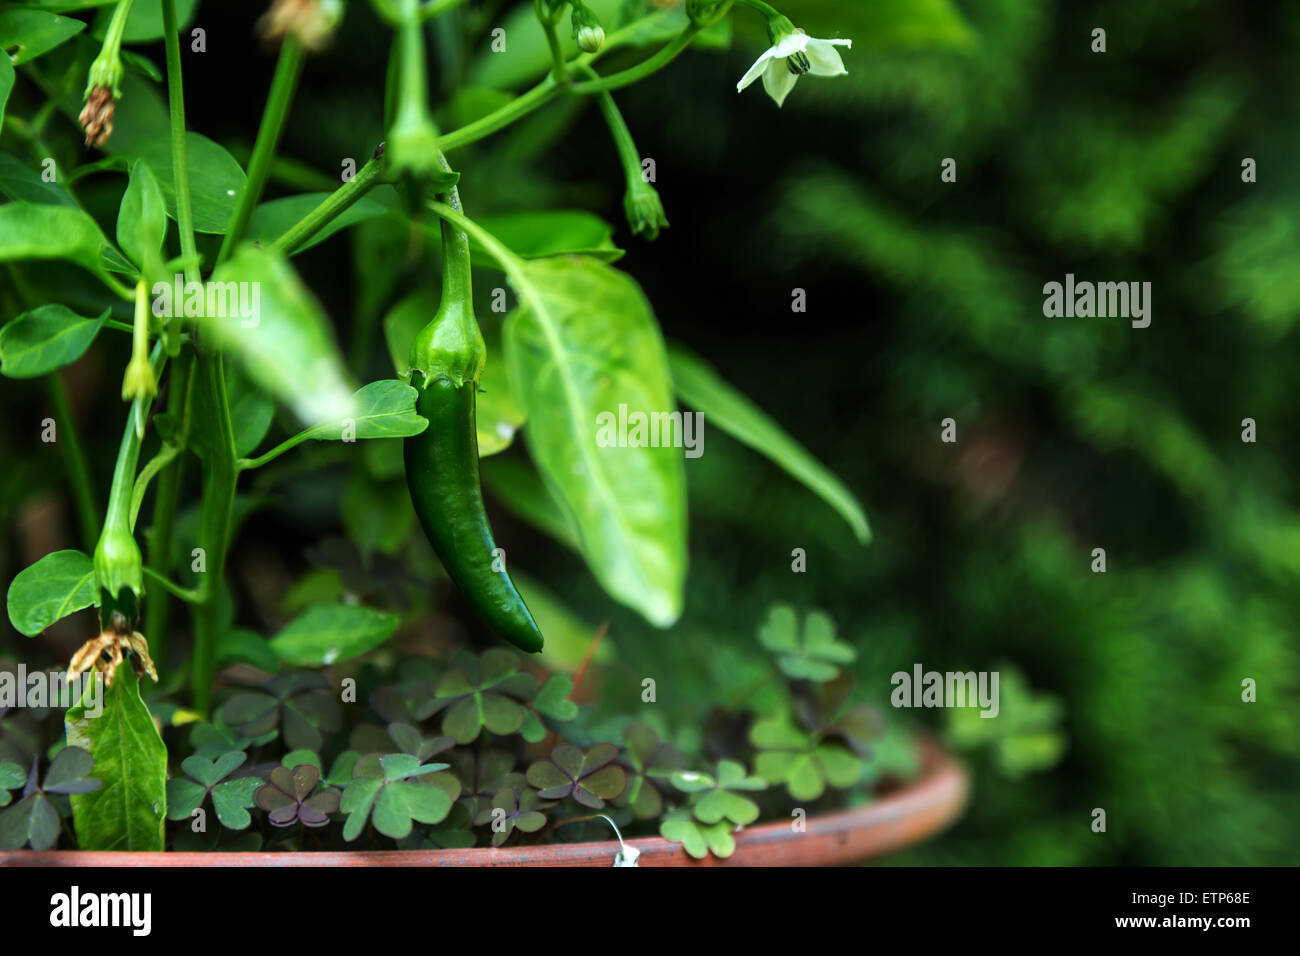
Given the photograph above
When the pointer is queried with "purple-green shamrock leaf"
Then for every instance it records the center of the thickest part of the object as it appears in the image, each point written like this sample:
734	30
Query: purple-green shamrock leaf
484	692
230	798
301	704
292	795
511	810
646	758
590	778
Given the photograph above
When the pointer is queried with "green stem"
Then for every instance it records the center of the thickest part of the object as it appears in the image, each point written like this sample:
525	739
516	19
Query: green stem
662	58
558	71
159	539
517	108
180	159
169	587
297	235
766	9
83	492
628	155
215	519
287	71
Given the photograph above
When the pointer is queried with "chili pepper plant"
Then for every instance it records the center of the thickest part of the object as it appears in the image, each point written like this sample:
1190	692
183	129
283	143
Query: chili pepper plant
411	685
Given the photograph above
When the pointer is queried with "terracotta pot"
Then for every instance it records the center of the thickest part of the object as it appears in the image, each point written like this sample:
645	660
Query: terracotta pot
899	819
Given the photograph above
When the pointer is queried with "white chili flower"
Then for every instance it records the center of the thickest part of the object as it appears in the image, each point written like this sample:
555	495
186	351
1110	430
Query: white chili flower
792	55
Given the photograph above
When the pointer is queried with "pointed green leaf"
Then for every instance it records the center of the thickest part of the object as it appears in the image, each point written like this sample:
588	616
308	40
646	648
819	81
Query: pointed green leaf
44	339
287	346
142	218
328	634
582	347
131	759
38	231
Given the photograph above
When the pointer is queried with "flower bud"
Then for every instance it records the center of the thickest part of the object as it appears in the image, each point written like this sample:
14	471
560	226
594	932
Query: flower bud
645	211
587	29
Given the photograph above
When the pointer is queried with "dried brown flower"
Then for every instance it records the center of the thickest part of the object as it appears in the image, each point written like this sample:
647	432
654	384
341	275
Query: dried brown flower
312	22
97	116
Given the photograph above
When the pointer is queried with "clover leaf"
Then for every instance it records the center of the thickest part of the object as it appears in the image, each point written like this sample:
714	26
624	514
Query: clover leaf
34	820
512	810
11	778
716	798
215	740
409	740
811	654
300	704
646	757
551	701
590	778
483	773
801	760
389	786
292	796
484	692
230	798
697	838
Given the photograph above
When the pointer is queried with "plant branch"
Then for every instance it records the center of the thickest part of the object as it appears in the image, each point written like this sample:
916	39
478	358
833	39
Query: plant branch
338	202
287	71
83	491
180	158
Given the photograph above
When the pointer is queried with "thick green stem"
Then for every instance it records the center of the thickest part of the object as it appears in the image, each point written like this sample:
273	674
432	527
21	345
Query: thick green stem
215	519
287	71
367	177
83	491
180	159
166	499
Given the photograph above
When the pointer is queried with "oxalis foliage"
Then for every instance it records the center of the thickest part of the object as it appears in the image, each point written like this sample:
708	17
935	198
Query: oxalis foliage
126	230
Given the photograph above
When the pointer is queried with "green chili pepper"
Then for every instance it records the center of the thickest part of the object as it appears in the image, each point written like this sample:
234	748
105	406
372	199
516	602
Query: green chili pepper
442	461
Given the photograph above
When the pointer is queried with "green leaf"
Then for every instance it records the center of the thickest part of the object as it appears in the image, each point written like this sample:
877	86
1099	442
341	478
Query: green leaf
130	758
584	343
46	338
22	183
145	24
702	388
6	85
287	348
38	231
383	409
331	633
31	820
54	587
273	219
552	232
26	34
216	180
376	516
142	218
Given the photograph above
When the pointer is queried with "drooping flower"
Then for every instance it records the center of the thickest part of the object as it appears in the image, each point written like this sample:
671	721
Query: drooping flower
792	54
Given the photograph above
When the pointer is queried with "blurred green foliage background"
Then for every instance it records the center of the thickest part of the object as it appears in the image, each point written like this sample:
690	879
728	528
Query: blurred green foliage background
1121	690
